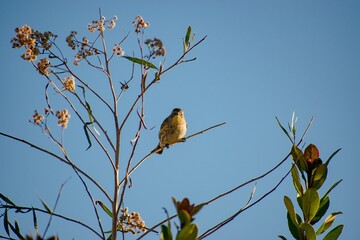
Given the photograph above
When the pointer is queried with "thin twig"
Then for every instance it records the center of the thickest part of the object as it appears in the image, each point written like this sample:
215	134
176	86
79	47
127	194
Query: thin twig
155	226
54	209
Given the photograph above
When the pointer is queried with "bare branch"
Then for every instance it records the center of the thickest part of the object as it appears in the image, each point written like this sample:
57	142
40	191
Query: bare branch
61	160
154	151
247	206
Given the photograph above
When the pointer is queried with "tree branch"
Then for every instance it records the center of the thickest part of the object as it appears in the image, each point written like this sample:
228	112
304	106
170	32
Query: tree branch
153	151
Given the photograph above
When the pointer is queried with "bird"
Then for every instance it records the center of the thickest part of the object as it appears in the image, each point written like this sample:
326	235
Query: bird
172	130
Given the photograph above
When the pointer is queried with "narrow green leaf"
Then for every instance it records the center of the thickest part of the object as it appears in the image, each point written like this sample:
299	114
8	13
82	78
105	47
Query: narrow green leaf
335	233
324	205
140	61
105	208
35	222
7	200
332	155
197	208
188	34
284	130
291	210
331	188
87	135
309	231
16	230
186	42
189	232
165	233
310	204
296	181
282	237
46	206
6	223
327	223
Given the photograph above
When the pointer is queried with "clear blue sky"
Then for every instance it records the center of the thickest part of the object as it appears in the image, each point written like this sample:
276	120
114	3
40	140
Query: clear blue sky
261	59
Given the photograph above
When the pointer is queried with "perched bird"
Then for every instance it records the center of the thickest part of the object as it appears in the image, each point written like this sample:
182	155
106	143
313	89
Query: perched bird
172	130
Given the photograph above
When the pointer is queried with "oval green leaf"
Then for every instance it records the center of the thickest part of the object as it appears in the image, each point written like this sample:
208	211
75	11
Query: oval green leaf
324	205
309	231
291	210
189	232
310	204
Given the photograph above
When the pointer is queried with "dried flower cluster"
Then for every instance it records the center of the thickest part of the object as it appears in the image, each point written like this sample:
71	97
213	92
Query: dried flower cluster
156	47
63	117
140	24
69	83
33	41
118	50
24	38
84	47
71	40
100	24
37	117
43	66
131	222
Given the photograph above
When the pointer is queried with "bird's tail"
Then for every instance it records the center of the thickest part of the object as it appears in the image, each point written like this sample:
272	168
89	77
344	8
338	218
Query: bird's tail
158	149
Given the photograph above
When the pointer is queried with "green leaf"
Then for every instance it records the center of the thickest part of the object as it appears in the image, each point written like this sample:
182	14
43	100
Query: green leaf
140	61
196	209
331	188
292	227
87	134
332	155
310	204
6	223
291	210
309	230
335	233
35	222
327	223
186	42
298	158
284	130
106	209
319	176
46	206
324	205
189	232
282	237
7	200
184	217
296	181
165	233
16	230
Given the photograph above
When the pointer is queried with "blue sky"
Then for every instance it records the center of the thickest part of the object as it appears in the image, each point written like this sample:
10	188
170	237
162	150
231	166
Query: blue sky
261	59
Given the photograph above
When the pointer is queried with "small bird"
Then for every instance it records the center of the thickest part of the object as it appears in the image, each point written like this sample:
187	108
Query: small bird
172	130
